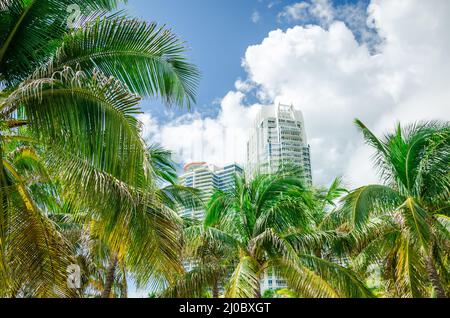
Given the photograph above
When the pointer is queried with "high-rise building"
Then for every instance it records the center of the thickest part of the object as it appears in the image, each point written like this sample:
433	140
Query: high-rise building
278	137
207	178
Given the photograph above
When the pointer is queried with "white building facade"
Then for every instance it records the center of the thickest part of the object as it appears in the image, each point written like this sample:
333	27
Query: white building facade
277	137
207	178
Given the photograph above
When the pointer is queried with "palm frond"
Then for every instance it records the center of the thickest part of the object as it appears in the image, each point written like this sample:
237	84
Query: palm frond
369	200
244	282
147	58
101	112
30	31
342	278
194	283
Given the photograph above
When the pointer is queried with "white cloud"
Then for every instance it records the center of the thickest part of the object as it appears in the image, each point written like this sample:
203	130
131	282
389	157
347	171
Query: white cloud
243	86
323	13
333	78
218	140
150	125
321	10
295	12
326	74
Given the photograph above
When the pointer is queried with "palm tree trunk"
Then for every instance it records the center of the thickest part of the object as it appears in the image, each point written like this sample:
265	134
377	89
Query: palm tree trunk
111	270
434	278
258	290
258	287
124	285
215	290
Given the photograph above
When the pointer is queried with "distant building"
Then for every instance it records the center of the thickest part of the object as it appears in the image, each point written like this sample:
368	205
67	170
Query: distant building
207	178
278	137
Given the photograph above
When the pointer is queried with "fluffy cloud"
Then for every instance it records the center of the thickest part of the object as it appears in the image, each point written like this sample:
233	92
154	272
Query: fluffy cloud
218	140
323	13
296	11
333	78
321	10
327	75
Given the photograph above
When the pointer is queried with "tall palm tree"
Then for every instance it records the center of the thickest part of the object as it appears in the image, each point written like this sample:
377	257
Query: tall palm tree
27	236
76	92
146	236
260	223
410	210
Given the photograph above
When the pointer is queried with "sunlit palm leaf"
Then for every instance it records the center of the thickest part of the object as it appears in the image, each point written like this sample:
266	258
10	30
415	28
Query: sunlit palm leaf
148	58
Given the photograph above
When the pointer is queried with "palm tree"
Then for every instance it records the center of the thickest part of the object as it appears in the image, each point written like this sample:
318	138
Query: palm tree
325	202
153	235
26	232
261	223
76	92
402	224
91	253
108	258
208	263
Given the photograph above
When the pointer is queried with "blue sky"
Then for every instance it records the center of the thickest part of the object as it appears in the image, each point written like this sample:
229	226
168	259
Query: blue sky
218	33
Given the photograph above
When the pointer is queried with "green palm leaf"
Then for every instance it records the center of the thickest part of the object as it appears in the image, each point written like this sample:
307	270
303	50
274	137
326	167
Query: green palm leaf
147	58
244	282
30	31
371	199
101	112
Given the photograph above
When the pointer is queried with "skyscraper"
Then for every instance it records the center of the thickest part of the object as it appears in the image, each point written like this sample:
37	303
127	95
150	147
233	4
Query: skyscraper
207	178
278	137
